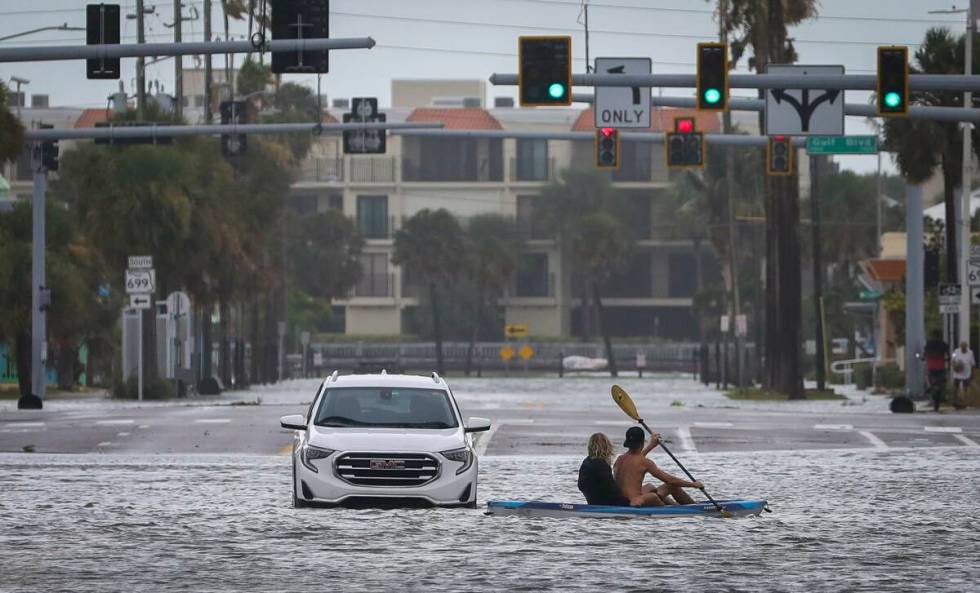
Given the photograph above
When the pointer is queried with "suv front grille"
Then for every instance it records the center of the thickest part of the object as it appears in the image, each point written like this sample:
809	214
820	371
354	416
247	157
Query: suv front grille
387	469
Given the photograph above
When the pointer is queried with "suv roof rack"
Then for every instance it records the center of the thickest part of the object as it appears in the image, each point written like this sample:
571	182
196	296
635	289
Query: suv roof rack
333	376
437	378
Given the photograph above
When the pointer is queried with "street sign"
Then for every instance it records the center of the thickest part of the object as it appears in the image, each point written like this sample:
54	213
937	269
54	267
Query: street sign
974	296
515	330
506	353
741	325
842	145
805	112
949	309
622	107
140	261
869	295
140	281
526	352
949	294
140	301
974	265
304	338
724	324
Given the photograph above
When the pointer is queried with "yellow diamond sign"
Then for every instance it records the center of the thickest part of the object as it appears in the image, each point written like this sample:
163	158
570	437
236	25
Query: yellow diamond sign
506	353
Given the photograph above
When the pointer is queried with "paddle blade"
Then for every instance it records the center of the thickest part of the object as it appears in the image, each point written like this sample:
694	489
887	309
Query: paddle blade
624	401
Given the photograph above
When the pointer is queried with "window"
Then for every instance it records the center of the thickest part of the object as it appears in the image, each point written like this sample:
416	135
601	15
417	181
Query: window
683	281
636	162
633	280
529	221
453	159
386	407
532	160
375	279
533	279
372	216
335	202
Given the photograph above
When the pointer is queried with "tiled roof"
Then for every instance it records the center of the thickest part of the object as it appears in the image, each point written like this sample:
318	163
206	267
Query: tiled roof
661	119
90	117
885	270
466	118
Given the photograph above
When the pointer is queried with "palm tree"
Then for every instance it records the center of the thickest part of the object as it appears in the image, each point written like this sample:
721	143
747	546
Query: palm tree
763	26
922	145
494	249
431	248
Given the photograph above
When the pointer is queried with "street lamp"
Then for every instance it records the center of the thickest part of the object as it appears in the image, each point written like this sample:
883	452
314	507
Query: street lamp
62	27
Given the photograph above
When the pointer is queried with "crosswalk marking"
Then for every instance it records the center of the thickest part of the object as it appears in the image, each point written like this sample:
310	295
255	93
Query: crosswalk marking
966	440
105	444
687	442
950	429
212	421
833	427
112	422
713	424
24	424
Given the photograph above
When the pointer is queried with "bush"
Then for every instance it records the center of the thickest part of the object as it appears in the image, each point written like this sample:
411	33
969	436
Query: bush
158	389
890	377
862	376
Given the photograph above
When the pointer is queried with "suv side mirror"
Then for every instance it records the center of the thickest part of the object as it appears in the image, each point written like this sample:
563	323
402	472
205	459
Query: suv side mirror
293	422
477	425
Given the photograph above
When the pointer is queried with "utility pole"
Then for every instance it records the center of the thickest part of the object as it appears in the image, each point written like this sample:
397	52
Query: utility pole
965	187
726	119
208	115
178	64
140	63
817	271
38	309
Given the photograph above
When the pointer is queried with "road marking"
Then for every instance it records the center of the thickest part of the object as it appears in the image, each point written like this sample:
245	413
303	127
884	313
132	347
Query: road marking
110	422
966	440
143	426
122	434
25	424
874	440
287	450
105	444
942	429
484	442
833	427
687	441
713	424
212	421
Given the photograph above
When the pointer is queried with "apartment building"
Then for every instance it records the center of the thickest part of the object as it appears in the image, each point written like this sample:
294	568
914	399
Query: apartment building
652	296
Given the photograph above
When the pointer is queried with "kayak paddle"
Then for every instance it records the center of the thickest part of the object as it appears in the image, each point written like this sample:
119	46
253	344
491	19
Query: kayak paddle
625	403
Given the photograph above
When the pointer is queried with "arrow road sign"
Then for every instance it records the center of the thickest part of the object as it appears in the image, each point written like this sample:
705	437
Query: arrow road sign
949	294
805	112
622	107
140	301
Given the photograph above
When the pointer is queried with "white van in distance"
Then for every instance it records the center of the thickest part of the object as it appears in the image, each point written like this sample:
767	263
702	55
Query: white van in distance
374	439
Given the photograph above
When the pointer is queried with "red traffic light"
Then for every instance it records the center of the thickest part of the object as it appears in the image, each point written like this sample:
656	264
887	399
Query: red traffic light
607	132
779	138
685	125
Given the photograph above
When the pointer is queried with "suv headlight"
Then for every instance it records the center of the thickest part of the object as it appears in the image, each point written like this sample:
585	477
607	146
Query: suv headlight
311	453
462	455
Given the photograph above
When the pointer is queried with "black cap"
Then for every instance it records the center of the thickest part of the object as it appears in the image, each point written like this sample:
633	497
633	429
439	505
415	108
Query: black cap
634	437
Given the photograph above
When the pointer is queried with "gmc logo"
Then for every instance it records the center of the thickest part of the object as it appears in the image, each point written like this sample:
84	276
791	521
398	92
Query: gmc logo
387	464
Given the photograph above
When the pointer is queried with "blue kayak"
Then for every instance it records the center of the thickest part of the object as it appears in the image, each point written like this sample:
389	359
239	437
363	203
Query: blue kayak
736	508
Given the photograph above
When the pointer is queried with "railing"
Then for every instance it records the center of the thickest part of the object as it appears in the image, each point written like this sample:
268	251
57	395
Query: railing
483	172
532	169
373	169
846	367
375	285
322	169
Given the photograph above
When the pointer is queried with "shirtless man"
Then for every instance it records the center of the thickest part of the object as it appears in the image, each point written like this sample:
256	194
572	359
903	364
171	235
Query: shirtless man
631	467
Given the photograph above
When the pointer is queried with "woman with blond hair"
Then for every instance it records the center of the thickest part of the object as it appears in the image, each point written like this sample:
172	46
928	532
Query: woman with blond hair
595	478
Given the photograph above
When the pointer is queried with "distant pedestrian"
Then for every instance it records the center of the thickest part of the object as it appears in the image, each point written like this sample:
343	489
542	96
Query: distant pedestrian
963	363
937	353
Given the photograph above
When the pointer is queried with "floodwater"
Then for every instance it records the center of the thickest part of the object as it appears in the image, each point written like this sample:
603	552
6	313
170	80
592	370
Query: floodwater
867	520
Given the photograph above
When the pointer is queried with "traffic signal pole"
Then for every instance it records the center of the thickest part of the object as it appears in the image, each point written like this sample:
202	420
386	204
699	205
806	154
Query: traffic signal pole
38	281
965	189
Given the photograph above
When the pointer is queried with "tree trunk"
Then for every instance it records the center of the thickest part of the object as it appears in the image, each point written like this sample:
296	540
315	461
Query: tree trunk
254	375
610	356
67	355
224	364
699	278
436	329
23	357
791	382
475	334
207	342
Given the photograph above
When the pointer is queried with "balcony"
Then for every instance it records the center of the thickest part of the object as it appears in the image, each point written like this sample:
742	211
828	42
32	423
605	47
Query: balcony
532	170
373	169
479	171
322	170
375	286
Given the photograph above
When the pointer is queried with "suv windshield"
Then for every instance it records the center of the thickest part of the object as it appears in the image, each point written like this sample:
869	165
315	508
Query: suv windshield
386	407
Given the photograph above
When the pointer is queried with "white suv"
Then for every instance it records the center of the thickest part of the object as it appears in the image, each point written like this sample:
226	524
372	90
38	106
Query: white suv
374	438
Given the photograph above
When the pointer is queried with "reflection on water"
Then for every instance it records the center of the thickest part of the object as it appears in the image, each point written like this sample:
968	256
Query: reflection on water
896	520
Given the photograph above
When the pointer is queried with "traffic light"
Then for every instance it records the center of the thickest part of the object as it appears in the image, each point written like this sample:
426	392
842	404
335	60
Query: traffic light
779	155
233	112
49	151
365	110
607	148
545	74
300	19
712	77
102	28
685	145
893	80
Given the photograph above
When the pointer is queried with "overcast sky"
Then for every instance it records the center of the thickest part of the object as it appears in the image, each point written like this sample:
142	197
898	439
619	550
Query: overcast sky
474	38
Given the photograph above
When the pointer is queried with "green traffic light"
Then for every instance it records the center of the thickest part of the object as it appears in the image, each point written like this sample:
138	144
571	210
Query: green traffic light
556	90
893	99
712	96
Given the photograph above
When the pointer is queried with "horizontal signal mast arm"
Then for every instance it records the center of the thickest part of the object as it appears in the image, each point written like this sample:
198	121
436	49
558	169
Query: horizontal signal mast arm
723	139
143	50
163	131
858	82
